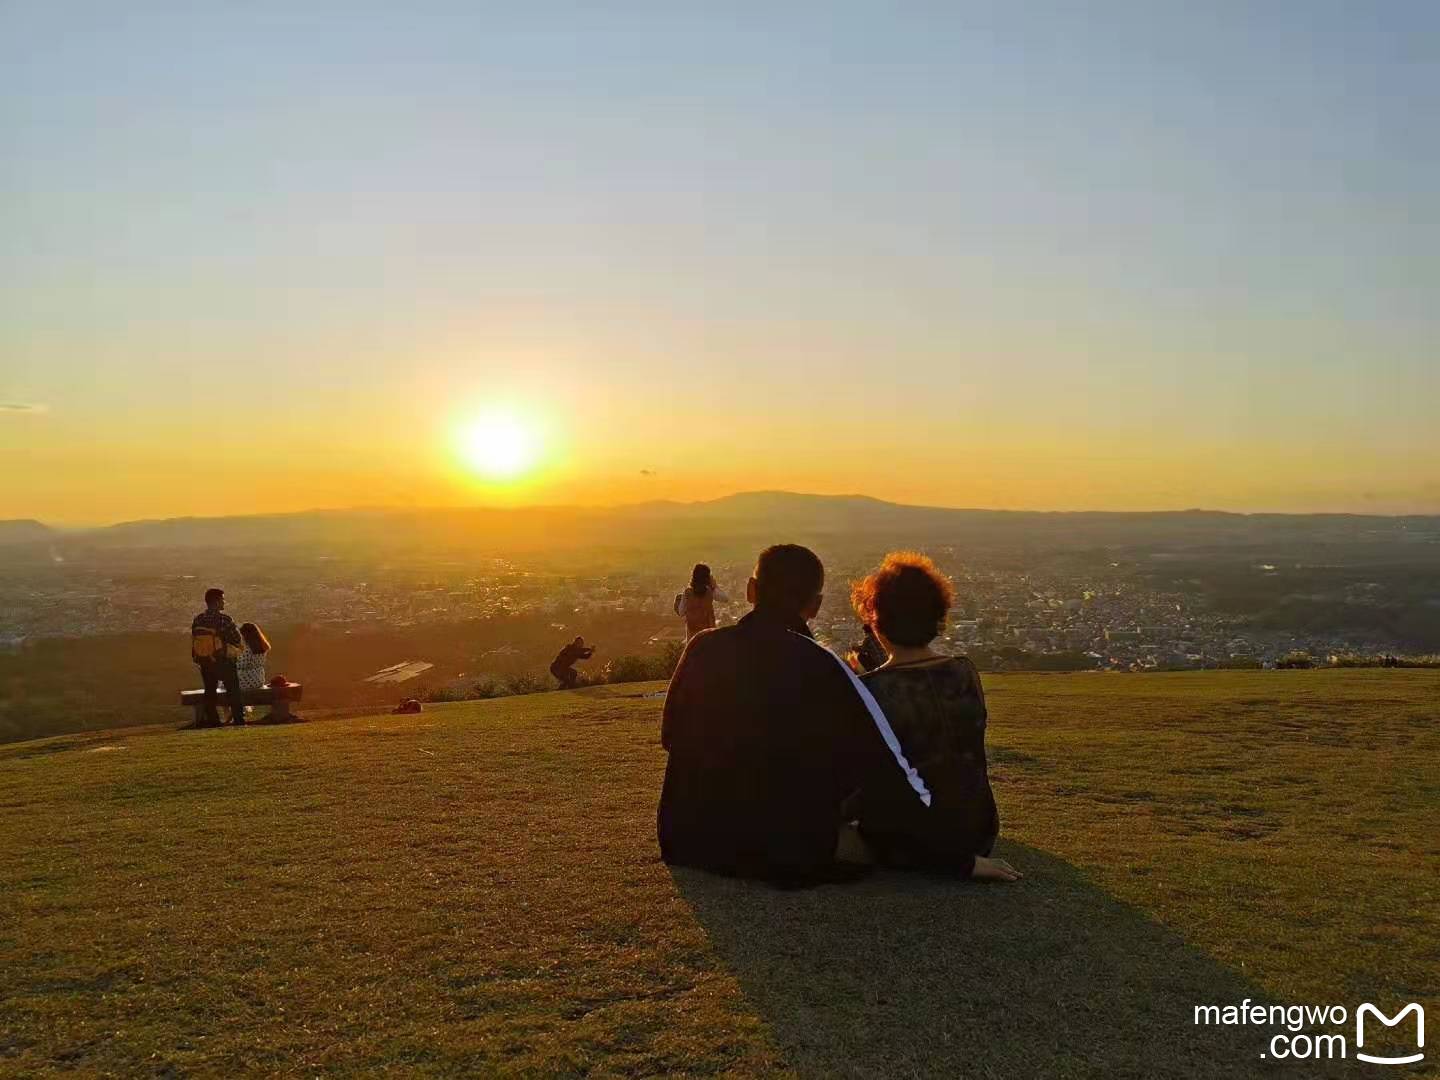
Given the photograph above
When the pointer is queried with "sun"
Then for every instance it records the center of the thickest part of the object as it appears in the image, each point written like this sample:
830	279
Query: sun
500	446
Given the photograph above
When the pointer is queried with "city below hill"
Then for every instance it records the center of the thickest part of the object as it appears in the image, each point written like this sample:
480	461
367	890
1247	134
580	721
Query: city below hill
93	624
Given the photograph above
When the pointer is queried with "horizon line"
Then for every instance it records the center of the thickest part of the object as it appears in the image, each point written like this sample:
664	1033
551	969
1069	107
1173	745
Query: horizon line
400	508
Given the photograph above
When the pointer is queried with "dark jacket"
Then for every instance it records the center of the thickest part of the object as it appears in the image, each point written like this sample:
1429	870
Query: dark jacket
937	711
567	656
768	734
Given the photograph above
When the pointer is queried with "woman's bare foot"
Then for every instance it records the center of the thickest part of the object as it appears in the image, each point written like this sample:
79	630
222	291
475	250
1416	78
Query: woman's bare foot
987	869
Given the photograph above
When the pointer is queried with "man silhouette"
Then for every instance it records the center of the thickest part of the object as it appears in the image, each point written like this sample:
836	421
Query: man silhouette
768	734
563	666
214	642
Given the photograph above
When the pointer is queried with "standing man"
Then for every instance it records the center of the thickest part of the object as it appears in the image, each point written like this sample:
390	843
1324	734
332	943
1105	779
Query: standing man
564	666
215	642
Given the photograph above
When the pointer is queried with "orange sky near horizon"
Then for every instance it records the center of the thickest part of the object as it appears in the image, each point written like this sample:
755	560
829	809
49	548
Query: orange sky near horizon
269	258
69	477
776	406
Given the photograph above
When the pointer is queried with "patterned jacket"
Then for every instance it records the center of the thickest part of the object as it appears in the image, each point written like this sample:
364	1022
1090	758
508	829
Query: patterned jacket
214	625
937	710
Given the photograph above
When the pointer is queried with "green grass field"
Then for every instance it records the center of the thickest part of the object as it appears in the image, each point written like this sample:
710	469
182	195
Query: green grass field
476	890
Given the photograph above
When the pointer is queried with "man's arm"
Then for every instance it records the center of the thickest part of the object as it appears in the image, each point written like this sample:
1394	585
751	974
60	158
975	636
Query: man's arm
229	632
895	798
875	754
871	759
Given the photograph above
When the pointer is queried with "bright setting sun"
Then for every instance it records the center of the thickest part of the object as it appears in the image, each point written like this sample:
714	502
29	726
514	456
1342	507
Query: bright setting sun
499	445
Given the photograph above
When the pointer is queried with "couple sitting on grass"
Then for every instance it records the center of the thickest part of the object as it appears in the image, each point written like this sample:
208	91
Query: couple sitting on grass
786	766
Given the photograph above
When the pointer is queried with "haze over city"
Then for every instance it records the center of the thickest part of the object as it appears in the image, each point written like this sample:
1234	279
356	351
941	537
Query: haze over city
264	259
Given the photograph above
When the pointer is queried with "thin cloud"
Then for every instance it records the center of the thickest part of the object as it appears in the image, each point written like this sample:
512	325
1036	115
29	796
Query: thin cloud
647	472
23	407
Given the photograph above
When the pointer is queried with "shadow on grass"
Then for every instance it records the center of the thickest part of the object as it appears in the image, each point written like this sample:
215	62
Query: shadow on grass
904	976
60	744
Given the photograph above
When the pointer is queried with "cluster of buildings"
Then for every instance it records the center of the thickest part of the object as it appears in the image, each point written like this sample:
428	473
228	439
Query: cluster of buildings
1004	618
71	601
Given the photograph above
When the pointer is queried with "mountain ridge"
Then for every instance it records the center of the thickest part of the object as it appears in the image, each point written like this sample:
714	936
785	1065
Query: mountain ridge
748	501
25	531
729	525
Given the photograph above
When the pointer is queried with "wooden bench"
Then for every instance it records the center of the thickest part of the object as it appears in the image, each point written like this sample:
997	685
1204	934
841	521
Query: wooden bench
277	697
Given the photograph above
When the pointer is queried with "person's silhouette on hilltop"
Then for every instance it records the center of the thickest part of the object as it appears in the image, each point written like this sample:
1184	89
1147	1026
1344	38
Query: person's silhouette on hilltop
696	605
563	667
215	643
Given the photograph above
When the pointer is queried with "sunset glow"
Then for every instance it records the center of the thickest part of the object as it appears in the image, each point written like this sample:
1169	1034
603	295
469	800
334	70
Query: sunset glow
1071	274
499	446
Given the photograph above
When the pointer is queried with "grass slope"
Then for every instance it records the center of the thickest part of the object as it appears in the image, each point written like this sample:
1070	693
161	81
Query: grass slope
476	889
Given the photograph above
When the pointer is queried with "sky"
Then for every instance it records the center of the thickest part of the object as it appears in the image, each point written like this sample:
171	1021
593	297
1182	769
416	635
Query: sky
1151	255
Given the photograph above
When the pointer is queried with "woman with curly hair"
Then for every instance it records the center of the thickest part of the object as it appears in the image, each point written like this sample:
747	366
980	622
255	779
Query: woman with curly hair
937	709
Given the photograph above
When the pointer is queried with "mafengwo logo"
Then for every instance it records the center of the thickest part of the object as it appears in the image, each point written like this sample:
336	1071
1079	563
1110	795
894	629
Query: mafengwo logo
1368	1009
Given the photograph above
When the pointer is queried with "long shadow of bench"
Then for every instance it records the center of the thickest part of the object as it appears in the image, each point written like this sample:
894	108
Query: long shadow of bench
904	976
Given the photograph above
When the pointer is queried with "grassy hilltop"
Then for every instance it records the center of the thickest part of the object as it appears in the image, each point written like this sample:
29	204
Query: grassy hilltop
476	889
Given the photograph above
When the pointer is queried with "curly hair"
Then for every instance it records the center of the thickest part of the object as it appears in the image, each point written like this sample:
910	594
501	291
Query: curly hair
907	599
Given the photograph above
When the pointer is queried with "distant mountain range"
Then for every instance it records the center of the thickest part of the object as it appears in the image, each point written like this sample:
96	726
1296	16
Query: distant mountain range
24	531
742	520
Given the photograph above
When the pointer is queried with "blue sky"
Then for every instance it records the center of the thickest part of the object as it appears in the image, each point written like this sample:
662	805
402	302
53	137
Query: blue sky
1116	255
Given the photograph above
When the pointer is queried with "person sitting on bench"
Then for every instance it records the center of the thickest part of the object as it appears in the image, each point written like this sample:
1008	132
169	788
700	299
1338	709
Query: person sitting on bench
250	664
215	642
